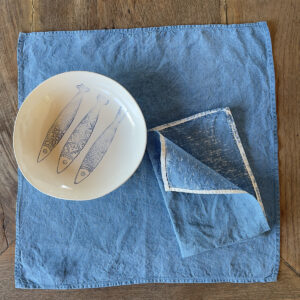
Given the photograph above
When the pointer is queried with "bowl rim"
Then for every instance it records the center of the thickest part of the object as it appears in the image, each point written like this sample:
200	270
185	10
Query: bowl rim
100	76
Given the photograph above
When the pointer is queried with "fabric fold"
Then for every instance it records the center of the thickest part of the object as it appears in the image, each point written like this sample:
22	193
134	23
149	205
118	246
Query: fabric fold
182	172
207	210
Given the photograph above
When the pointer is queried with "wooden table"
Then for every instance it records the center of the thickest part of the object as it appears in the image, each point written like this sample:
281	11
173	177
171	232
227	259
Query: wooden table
283	17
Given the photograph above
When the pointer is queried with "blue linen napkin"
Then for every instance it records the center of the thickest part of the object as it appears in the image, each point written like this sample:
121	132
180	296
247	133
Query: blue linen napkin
206	181
204	205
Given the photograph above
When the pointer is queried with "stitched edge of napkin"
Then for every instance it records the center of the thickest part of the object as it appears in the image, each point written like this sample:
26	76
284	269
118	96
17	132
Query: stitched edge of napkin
21	283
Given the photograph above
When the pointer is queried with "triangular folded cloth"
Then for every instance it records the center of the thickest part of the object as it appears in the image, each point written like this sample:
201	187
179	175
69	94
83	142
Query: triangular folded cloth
205	178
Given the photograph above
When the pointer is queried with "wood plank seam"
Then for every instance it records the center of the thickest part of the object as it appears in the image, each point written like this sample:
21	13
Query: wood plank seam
4	229
225	7
289	266
223	11
32	15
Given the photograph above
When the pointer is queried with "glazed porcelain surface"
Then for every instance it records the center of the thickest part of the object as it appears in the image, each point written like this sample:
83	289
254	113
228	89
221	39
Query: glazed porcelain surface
79	135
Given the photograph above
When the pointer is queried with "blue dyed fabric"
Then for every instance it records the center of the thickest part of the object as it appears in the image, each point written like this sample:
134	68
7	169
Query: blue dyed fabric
204	205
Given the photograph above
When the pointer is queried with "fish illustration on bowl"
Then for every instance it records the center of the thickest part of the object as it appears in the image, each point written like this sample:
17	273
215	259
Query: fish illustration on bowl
61	123
99	148
80	135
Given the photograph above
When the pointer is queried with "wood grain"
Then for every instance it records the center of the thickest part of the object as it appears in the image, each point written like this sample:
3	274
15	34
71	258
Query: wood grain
93	14
15	15
38	15
288	287
284	21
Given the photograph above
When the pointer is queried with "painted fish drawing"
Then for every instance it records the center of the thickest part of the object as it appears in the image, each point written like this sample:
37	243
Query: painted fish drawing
99	148
80	136
62	123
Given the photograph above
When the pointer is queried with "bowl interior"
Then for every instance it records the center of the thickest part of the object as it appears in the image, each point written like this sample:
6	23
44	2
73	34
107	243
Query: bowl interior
79	136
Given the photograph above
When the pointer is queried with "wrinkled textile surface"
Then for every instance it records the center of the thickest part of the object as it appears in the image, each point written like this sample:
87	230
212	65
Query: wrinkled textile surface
192	212
206	183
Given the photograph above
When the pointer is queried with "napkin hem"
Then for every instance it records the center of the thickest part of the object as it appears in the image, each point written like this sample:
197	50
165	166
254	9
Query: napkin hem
21	284
17	266
131	31
275	169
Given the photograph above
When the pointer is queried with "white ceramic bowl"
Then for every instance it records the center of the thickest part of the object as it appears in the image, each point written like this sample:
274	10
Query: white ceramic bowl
78	136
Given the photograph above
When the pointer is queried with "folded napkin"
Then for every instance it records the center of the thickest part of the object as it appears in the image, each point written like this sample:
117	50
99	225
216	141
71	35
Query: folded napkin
204	205
206	181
